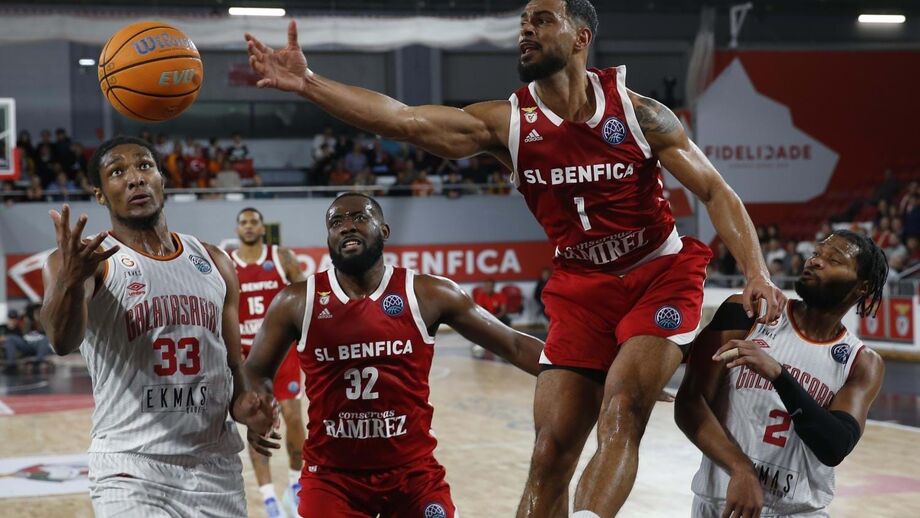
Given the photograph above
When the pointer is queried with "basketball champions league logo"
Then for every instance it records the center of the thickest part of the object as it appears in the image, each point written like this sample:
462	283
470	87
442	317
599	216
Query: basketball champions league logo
614	131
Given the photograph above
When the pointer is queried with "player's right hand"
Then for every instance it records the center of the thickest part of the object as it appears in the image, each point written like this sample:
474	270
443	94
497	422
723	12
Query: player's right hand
744	498
284	69
80	257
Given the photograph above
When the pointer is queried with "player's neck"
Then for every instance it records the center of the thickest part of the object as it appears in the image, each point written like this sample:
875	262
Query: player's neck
250	253
154	240
360	286
821	325
568	93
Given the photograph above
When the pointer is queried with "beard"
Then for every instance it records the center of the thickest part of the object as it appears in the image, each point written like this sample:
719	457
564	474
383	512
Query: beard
825	295
257	239
550	64
357	264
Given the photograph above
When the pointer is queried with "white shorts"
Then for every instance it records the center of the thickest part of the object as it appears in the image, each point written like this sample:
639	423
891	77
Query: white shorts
125	484
705	508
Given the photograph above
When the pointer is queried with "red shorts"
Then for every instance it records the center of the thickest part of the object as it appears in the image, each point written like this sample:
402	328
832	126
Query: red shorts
288	383
416	490
590	314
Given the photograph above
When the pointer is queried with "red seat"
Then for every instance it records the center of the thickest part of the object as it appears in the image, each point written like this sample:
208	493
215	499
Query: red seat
244	168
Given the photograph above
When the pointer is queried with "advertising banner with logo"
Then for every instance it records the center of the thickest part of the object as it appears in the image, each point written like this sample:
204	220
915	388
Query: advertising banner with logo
784	127
464	263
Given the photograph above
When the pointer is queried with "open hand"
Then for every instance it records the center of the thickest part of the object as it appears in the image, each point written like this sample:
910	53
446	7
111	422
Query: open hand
80	257
744	352
284	69
744	498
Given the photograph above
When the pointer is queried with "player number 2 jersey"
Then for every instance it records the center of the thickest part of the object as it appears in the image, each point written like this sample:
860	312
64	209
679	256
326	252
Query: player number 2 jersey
792	478
594	186
155	352
259	283
367	364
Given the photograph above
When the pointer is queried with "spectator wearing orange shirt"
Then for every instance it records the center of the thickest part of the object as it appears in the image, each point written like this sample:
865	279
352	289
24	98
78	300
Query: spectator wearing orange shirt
422	186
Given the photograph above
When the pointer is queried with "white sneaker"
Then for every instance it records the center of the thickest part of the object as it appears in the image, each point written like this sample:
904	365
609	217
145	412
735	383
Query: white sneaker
291	498
273	508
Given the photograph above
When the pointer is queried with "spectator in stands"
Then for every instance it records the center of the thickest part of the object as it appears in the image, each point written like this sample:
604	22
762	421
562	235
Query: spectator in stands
725	261
761	234
62	153
44	164
217	161
538	291
84	185
881	209
474	171
896	264
24	142
381	163
163	145
8	199
898	228
789	248
35	191
355	160
881	234
796	265
403	184
63	188
909	197
911	217
226	176
237	150
493	301
79	160
895	247
913	250
425	161
326	140
175	165
196	168
498	183
774	251
365	178
775	267
824	231
44	138
257	192
421	185
340	175
213	149
22	336
772	232
888	188
457	186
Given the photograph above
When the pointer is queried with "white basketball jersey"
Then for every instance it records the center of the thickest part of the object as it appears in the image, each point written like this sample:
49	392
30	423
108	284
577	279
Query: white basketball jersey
156	356
793	479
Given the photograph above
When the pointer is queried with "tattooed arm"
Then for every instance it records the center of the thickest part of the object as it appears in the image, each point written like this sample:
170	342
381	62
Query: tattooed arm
683	159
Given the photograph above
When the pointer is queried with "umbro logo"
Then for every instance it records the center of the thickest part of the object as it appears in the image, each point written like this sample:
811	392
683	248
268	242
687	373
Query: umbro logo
533	136
325	313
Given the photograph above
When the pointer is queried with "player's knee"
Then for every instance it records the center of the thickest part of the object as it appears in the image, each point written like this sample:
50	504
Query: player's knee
551	453
625	413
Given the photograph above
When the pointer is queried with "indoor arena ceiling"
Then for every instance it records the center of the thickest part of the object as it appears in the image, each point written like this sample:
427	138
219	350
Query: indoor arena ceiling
465	7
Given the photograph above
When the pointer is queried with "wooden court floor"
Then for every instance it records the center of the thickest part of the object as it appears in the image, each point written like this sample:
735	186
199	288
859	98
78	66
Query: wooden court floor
484	425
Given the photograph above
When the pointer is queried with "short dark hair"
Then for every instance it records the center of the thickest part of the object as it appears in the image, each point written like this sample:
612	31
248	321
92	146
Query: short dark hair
250	209
95	162
871	266
583	11
374	203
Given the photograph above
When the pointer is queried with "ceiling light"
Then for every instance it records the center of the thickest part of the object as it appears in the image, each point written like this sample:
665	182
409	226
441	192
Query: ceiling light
882	18
86	62
256	11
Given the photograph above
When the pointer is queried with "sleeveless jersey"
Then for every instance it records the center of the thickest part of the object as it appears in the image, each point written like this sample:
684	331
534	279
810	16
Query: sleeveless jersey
259	283
793	479
366	363
156	357
593	186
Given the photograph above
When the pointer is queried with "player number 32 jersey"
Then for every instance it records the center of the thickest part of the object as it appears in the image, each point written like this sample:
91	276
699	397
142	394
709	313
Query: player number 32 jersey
367	363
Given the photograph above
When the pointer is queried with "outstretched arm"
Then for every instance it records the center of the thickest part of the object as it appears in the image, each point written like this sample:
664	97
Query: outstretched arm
291	267
679	155
443	302
446	132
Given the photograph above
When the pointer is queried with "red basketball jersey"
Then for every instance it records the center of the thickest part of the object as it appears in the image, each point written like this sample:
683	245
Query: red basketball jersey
366	363
259	283
594	186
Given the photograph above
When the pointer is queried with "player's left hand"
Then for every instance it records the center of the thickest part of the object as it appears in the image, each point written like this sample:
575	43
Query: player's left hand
264	444
259	412
744	352
761	287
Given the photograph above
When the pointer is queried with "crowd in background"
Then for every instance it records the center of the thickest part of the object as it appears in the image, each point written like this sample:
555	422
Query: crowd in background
891	218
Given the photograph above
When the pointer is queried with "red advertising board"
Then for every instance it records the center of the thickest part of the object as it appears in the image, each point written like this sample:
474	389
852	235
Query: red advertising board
874	328
462	262
901	319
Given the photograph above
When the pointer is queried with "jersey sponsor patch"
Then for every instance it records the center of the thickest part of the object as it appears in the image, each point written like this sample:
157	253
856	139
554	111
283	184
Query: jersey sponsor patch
668	317
127	262
200	262
614	131
841	353
136	289
393	305
188	398
533	136
325	313
435	510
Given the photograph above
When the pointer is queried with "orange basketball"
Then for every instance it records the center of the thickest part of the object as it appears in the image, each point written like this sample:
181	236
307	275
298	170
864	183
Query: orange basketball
150	71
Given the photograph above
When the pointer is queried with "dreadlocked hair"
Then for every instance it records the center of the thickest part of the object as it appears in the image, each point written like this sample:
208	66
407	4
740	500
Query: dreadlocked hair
872	267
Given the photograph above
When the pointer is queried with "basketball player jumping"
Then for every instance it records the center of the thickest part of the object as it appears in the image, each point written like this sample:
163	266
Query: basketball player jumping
790	399
365	334
264	271
154	314
627	290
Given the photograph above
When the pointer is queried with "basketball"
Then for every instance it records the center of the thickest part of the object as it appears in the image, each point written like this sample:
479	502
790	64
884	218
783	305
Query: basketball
150	71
